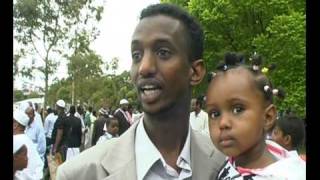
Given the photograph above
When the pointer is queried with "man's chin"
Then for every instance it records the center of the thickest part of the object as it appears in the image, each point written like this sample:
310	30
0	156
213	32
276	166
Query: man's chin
156	110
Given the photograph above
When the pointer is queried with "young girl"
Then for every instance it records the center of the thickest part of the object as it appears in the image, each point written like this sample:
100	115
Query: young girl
111	129
241	110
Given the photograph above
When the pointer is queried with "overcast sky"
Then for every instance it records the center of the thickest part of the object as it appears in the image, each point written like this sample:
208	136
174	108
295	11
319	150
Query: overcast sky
116	27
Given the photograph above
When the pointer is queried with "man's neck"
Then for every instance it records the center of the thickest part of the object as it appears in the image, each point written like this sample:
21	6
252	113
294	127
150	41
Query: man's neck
197	111
168	133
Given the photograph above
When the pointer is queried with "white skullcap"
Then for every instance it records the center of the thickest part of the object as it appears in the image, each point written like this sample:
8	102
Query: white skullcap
124	101
61	103
21	117
18	142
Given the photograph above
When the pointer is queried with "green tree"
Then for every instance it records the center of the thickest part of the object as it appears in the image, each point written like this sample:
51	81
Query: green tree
18	95
81	67
284	44
96	91
43	27
275	29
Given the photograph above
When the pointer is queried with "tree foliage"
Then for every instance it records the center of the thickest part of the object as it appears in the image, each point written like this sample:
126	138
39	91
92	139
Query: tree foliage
91	87
275	29
43	28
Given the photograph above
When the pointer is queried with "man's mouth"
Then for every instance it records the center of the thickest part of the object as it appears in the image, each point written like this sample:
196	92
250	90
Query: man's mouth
150	92
149	89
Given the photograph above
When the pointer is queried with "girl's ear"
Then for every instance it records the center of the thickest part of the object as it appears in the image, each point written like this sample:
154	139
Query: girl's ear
270	116
197	72
287	140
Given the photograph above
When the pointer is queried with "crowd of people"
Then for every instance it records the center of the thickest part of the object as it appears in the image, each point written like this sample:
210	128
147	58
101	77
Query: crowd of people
239	134
65	133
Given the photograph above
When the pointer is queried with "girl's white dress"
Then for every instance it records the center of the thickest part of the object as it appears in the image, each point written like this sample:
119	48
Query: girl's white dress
288	167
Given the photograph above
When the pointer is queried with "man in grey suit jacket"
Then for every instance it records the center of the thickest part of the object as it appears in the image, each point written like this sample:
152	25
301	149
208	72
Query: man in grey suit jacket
166	47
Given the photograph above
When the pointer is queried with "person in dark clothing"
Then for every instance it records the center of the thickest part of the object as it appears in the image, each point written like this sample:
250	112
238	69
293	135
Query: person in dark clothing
74	132
98	126
59	133
121	115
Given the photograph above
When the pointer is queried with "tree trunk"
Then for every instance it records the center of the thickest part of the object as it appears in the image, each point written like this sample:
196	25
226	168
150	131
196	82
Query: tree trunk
46	74
72	100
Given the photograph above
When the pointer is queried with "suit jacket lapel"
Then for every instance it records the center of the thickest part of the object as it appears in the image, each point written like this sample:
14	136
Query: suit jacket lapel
120	161
202	161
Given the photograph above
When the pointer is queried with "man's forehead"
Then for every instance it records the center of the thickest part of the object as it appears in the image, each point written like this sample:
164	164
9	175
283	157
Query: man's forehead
158	25
29	110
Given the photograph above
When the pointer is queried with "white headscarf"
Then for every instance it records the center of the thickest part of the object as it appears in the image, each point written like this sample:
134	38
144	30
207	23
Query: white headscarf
24	106
17	143
21	117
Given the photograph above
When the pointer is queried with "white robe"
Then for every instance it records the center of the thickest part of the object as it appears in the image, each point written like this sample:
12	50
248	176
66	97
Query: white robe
34	169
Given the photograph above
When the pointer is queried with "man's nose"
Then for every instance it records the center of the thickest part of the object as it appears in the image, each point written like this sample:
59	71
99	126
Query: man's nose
147	65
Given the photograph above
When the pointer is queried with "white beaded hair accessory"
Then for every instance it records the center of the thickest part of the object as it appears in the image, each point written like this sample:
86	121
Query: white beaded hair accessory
275	91
255	67
266	88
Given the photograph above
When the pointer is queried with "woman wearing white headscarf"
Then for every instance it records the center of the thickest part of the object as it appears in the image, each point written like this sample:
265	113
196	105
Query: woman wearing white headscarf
20	157
34	169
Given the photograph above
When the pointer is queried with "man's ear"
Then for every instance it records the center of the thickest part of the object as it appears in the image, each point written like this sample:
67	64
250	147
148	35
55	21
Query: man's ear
197	72
15	125
270	116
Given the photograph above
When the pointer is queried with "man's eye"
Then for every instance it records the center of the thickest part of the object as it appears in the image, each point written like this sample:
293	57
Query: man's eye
237	109
136	56
164	53
214	114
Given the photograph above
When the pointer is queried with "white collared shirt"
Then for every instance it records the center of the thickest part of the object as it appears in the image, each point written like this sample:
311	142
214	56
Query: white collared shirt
49	124
150	163
35	132
199	122
106	136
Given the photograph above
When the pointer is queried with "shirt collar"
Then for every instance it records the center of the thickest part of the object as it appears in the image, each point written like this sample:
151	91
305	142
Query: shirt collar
108	135
147	154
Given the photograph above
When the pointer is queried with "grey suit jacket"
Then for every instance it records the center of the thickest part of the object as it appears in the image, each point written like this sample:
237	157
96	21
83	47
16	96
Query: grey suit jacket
115	159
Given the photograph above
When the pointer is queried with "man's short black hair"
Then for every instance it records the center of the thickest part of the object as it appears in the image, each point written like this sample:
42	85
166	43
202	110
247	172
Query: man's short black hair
291	125
90	108
199	101
111	119
49	110
72	109
192	27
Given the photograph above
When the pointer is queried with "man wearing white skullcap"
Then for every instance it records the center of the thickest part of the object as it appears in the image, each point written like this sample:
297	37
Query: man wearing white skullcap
34	168
24	106
122	116
59	132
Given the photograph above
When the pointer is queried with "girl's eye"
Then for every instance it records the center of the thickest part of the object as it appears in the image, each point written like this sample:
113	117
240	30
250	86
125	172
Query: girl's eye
164	53
237	109
136	56
214	114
